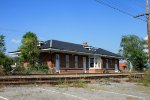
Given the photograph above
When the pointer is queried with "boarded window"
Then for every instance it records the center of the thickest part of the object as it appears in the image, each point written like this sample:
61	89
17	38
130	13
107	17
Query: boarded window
76	61
67	61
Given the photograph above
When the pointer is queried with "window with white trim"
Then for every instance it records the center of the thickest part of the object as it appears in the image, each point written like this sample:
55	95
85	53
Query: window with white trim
76	61
92	62
67	61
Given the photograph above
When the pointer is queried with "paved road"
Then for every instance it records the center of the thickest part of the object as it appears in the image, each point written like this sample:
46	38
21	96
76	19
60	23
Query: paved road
94	92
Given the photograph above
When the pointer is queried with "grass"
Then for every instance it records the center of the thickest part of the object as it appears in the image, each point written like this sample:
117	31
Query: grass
146	80
80	83
63	83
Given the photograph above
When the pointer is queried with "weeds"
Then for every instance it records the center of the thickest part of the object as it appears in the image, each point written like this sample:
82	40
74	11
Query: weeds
77	83
146	79
63	83
133	78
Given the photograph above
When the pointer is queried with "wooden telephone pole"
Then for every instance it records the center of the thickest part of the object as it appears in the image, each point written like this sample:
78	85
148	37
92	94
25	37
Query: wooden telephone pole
148	26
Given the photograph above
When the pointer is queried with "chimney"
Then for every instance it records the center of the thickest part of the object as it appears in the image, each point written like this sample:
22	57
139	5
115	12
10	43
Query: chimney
85	44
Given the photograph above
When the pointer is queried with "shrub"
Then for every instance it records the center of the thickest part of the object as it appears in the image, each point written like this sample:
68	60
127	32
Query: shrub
19	70
37	69
42	67
7	64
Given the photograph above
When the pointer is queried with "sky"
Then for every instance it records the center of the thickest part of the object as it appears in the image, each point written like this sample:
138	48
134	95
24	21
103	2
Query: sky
73	21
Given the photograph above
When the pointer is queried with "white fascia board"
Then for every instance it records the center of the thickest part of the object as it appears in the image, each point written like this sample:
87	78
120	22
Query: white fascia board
79	53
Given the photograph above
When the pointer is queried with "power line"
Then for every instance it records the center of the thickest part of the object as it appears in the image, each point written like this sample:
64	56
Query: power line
103	2
129	7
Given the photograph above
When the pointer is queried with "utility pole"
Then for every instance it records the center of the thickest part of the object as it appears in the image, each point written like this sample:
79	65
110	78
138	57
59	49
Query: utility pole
148	26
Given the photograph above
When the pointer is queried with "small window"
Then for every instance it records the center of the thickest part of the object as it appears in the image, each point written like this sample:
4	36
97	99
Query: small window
76	61
91	62
67	61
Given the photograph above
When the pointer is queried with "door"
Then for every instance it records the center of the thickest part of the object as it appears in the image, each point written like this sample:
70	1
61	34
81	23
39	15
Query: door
84	64
57	63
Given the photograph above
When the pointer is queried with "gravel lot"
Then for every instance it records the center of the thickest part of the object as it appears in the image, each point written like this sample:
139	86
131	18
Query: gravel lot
98	91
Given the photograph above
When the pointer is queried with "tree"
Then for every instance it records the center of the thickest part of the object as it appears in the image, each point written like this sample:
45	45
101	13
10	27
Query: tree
2	49
2	44
29	49
132	48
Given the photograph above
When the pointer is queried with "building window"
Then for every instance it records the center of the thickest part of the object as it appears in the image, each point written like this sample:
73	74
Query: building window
110	62
92	62
76	61
67	61
116	61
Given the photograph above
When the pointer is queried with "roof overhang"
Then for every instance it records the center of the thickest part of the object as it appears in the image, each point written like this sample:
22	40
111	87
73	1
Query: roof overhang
75	52
71	52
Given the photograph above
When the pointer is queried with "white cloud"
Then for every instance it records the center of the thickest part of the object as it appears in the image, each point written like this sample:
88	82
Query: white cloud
15	41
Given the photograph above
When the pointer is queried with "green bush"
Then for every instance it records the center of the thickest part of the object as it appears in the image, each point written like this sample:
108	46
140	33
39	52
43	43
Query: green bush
37	69
42	67
19	70
7	64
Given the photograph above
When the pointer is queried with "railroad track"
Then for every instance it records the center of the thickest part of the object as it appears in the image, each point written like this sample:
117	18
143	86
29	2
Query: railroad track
56	79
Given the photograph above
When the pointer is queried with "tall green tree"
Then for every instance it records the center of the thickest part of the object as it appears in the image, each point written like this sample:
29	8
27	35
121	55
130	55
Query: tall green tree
29	49
132	47
2	48
4	60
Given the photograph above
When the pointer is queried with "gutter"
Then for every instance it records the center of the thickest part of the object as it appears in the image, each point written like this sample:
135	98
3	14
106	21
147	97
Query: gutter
58	50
